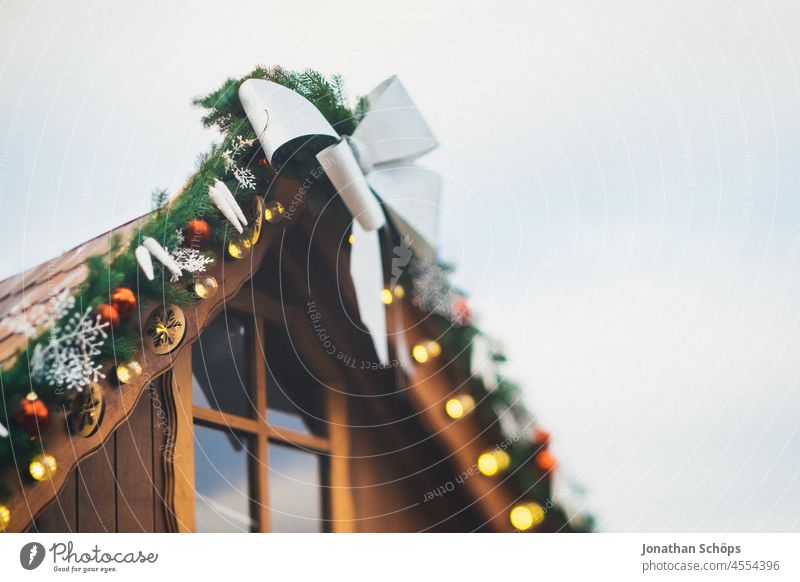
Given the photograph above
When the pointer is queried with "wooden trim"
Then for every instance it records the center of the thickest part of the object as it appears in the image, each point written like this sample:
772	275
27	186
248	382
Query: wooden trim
298	439
261	469
215	418
255	301
183	496
340	494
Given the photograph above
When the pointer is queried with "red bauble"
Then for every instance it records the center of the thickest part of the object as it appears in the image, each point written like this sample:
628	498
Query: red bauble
33	415
108	314
197	233
124	300
263	162
462	312
546	461
541	437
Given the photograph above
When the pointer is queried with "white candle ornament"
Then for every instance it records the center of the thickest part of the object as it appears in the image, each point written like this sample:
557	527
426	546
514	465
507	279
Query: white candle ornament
145	263
161	255
219	200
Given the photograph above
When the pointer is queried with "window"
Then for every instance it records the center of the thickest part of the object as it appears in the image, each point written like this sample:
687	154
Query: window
260	448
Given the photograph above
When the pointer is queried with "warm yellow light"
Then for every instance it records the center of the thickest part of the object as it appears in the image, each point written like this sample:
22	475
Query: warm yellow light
239	248
273	212
399	292
386	296
5	517
503	460
459	406
487	464
43	467
524	517
127	373
351	238
434	349
206	287
419	353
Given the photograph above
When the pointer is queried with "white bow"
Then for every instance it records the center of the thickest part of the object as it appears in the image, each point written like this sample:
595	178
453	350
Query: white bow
378	156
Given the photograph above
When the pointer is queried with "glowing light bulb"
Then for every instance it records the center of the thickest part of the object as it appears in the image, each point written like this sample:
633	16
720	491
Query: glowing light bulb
273	212
399	291
419	353
524	517
127	373
434	349
351	239
387	297
503	460
5	517
43	467
459	406
487	464
206	287
239	248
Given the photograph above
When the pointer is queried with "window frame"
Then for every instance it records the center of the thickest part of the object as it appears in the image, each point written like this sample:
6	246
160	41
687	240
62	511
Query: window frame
332	450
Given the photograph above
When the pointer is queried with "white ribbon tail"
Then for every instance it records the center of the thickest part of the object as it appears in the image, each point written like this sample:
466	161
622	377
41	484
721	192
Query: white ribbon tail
367	273
161	255
345	174
222	205
228	195
145	262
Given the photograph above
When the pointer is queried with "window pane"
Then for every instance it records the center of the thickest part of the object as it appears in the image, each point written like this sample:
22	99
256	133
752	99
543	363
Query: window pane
282	408
221	365
221	481
295	491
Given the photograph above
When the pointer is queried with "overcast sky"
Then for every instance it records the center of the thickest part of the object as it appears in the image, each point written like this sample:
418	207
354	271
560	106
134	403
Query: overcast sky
621	198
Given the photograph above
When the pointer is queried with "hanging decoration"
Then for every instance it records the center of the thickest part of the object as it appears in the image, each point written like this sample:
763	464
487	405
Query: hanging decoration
258	218
128	372
205	287
165	327
108	314
43	467
232	159
197	232
33	416
86	412
239	247
145	262
124	300
162	256
225	202
67	359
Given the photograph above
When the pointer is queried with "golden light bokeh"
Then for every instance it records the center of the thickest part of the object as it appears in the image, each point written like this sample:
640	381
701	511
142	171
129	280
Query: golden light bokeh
524	517
128	372
434	349
487	464
5	517
43	467
387	297
206	287
399	291
459	406
419	353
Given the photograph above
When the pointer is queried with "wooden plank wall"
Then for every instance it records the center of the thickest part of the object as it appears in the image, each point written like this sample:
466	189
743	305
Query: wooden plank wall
120	487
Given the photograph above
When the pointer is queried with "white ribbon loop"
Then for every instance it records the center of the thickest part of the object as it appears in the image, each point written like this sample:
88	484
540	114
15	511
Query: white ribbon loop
391	135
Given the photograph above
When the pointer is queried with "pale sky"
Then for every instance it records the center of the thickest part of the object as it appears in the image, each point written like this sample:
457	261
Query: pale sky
621	200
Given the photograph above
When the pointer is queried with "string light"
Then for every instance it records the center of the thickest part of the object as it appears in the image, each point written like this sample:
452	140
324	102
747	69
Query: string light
399	291
273	212
524	517
419	353
387	297
492	462
434	349
206	287
43	467
127	373
351	239
239	247
459	406
5	517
